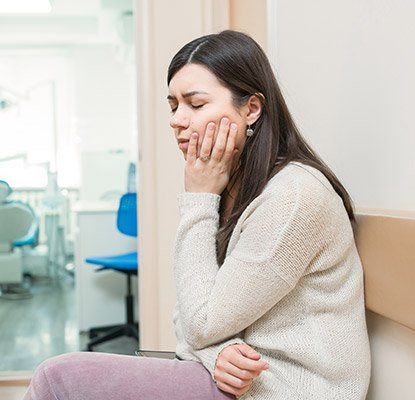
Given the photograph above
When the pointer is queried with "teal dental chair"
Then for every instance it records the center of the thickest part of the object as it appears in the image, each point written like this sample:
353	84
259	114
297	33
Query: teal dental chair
18	226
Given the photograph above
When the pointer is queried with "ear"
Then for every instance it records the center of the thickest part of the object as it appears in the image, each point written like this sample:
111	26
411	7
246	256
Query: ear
253	108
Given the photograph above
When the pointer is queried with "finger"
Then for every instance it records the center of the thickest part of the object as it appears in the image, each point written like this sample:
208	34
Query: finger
230	143
230	389
243	362
248	351
233	380
191	149
242	374
220	144
207	140
199	146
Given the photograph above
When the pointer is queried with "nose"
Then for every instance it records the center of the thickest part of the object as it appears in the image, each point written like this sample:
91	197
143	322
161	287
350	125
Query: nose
179	120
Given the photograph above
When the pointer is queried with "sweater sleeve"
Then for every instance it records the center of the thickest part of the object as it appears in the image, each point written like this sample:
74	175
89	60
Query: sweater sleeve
278	240
208	355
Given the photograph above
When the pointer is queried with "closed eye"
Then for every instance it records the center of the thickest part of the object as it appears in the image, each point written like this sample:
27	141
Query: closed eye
173	110
196	107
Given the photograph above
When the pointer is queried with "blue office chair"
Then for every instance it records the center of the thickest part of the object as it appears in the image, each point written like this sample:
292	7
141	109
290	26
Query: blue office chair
124	263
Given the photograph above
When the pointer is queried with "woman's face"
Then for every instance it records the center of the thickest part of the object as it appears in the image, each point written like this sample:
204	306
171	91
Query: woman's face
196	97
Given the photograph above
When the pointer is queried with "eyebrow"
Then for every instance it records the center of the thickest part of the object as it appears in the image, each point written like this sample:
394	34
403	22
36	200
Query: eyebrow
189	94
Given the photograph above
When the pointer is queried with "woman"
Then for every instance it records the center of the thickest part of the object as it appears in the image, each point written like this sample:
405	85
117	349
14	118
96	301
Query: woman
269	283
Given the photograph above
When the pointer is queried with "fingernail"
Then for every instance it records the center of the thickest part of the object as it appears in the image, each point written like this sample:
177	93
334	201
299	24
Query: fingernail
266	366
233	126
225	120
211	125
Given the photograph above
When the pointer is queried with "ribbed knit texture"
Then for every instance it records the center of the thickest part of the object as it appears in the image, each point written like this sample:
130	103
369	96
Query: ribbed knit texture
291	287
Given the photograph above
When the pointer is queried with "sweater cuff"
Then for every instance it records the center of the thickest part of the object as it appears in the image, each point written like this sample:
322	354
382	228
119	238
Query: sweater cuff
211	355
189	200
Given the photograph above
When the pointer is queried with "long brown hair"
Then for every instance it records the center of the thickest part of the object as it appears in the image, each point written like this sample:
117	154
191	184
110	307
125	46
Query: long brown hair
241	65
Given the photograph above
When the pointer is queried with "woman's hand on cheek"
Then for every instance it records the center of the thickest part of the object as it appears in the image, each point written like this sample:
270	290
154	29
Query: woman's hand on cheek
211	175
202	135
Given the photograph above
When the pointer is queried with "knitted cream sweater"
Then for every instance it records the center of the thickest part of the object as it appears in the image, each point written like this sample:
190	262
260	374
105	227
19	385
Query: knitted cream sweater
291	287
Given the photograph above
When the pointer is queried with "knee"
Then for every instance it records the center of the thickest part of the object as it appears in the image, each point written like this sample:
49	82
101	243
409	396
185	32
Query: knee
58	362
47	377
53	369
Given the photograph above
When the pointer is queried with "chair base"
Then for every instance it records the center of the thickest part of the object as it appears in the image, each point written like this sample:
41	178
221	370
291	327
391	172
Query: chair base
104	334
130	328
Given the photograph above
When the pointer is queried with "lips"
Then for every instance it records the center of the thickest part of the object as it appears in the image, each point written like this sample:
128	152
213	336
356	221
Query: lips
184	144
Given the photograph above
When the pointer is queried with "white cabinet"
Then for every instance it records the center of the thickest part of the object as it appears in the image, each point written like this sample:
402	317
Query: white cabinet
100	295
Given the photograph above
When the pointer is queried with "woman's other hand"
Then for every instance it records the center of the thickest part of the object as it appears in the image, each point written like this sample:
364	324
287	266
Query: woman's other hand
236	367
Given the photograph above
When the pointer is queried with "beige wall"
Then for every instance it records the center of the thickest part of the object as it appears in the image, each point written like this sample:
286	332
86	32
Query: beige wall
163	27
250	17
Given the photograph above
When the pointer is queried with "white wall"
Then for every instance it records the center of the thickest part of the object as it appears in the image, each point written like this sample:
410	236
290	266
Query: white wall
104	118
95	107
27	78
347	71
104	98
393	359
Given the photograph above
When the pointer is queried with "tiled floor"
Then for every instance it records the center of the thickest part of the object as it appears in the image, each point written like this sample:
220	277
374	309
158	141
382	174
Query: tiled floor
34	329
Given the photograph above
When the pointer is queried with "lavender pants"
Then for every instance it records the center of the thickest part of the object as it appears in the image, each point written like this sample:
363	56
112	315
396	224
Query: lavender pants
100	376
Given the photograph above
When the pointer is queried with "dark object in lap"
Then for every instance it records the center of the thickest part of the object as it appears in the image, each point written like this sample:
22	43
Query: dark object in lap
171	355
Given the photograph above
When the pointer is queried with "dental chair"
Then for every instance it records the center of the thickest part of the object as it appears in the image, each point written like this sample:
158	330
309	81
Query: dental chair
16	222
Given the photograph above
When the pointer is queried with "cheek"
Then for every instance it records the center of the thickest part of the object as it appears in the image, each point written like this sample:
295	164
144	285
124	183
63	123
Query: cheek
241	135
199	128
240	141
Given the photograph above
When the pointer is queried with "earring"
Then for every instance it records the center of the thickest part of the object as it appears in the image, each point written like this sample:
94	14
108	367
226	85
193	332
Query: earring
249	131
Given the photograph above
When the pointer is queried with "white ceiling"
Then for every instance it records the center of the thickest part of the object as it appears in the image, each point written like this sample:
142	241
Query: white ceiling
70	22
88	7
76	7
